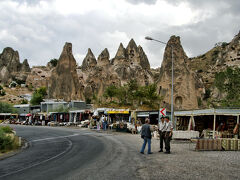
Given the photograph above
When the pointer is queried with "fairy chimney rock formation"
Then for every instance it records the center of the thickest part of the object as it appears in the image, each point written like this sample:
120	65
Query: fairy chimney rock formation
143	58
121	56
11	68
121	52
25	66
136	55
89	61
186	86
64	83
132	52
103	58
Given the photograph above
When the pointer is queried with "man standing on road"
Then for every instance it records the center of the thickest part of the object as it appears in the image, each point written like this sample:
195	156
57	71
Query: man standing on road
168	134
146	135
161	130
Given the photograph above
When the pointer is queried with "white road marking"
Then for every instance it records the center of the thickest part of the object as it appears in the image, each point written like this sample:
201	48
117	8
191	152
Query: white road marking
58	137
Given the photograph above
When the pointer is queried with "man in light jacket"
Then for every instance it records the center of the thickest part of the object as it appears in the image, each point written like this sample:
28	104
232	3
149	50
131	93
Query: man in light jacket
161	130
168	134
147	136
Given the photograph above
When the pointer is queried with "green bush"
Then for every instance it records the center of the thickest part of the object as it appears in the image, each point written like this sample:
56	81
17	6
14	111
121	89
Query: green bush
6	143
24	101
7	108
2	92
6	129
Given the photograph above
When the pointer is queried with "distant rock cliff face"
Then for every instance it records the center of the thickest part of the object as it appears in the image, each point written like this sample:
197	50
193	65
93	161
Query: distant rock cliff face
11	68
63	82
129	63
216	60
38	76
187	86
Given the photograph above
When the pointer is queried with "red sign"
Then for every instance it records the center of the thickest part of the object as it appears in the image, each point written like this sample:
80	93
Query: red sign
163	111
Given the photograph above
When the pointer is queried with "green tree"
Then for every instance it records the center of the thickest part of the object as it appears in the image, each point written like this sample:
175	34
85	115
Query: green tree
122	94
151	95
54	62
38	96
111	91
132	88
7	108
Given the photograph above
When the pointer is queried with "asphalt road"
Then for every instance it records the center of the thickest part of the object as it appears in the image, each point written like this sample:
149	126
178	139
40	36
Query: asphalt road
65	153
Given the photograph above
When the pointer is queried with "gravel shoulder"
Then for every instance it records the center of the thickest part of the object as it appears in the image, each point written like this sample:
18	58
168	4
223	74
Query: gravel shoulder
184	162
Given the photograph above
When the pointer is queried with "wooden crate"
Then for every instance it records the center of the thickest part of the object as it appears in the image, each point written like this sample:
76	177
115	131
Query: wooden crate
234	144
200	144
217	144
210	144
226	144
239	144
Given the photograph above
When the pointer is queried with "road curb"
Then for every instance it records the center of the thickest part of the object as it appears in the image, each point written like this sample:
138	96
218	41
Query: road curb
24	145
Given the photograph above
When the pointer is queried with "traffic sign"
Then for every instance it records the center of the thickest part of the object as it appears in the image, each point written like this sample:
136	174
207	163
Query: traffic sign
163	111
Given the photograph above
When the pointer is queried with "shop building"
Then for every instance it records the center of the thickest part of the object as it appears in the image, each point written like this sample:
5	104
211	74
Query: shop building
152	115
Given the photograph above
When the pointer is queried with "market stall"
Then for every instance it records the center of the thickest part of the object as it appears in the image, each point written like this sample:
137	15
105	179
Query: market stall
119	118
79	115
209	122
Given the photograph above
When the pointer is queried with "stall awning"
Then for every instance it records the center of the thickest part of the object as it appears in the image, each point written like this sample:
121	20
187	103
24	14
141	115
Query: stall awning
117	112
142	114
5	114
202	112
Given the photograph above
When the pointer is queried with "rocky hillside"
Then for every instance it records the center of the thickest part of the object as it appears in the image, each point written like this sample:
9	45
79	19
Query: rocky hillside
194	78
218	59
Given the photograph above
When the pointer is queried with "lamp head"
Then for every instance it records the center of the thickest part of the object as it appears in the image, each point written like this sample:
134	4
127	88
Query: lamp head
148	38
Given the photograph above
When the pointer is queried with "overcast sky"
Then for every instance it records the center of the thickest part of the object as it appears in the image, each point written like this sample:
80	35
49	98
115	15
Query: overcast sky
39	29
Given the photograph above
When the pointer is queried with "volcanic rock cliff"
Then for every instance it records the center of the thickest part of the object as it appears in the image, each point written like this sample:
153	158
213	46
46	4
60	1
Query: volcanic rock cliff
63	82
11	68
129	63
216	60
187	86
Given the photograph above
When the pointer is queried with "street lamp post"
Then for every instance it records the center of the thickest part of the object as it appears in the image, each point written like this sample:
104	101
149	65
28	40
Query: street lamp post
172	113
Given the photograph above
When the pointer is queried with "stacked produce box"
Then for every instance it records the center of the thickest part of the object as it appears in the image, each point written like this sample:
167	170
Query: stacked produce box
226	144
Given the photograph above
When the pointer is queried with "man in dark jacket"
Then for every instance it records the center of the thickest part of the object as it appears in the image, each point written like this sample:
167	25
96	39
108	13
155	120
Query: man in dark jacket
146	135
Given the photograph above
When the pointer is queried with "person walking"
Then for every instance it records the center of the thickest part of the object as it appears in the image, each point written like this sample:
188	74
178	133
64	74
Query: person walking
98	123
146	135
105	123
161	131
168	134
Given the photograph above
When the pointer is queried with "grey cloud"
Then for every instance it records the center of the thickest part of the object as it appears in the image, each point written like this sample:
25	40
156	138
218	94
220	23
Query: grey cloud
231	6
41	38
142	1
